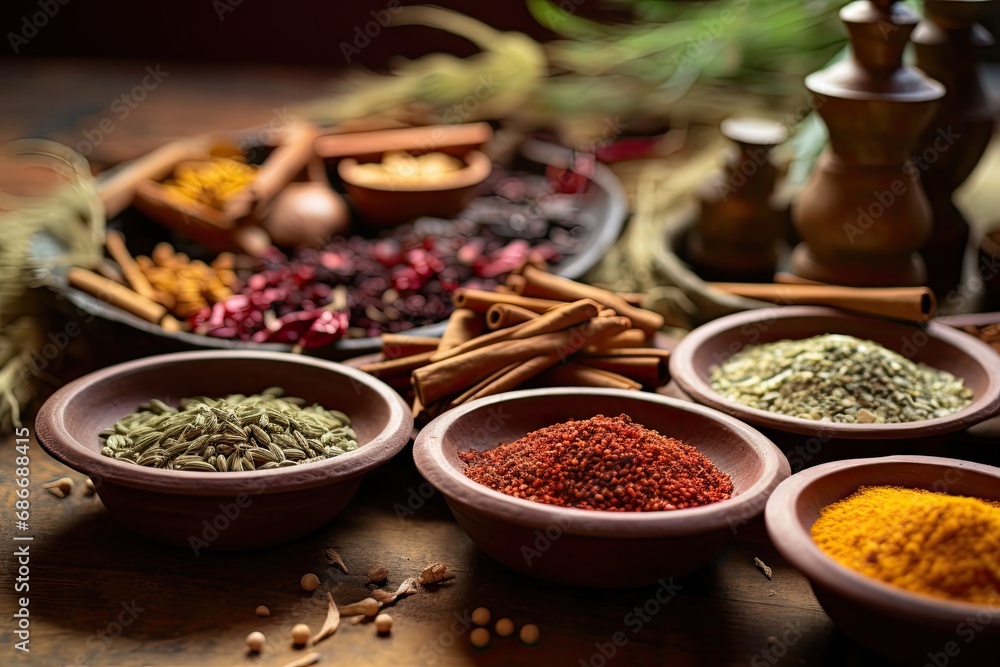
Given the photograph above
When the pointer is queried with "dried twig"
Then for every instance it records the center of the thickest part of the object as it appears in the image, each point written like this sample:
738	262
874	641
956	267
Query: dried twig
331	623
762	567
335	559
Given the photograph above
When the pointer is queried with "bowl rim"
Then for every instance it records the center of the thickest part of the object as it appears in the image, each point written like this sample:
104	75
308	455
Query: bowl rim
478	167
56	439
795	544
456	487
684	371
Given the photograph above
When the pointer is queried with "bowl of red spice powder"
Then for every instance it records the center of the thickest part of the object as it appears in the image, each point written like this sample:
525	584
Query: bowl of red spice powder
636	488
925	557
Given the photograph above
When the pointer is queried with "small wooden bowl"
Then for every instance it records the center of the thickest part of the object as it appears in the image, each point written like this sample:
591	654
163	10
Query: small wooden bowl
588	547
232	510
936	345
902	626
398	202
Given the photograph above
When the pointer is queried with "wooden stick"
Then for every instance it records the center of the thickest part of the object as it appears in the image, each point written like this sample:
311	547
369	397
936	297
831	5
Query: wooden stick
914	304
650	371
463	325
122	297
395	346
576	375
115	243
501	315
481	300
542	285
434	137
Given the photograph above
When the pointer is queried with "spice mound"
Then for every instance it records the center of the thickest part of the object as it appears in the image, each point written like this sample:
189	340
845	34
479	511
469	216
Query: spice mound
236	433
603	463
841	379
930	543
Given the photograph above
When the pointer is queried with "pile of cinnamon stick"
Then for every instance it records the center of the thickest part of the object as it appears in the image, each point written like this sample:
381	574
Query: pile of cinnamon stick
538	330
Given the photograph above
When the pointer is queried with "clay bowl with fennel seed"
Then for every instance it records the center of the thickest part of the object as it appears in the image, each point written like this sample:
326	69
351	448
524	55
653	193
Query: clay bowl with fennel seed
596	548
905	627
807	442
223	510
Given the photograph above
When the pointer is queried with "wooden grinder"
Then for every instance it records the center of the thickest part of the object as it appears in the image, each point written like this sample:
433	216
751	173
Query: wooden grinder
863	214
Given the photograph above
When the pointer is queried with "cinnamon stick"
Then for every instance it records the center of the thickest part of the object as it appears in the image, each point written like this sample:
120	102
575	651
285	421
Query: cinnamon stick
395	346
913	304
657	352
463	325
122	297
400	366
501	315
481	300
629	338
451	375
577	375
563	317
650	371
541	285
115	243
508	378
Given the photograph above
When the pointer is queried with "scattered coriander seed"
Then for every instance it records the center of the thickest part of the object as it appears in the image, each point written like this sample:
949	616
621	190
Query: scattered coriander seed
88	487
530	634
480	637
762	567
309	582
378	574
383	624
301	634
256	642
504	627
262	611
481	616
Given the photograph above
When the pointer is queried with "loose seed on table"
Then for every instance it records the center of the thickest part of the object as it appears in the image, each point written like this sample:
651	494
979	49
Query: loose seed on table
300	634
504	627
383	624
59	488
366	607
433	573
335	559
530	634
88	487
480	637
309	582
378	573
262	611
304	661
481	616
332	621
256	642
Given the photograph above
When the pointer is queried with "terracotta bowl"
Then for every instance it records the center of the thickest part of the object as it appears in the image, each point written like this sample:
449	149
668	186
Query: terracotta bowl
394	203
938	346
588	547
904	627
233	510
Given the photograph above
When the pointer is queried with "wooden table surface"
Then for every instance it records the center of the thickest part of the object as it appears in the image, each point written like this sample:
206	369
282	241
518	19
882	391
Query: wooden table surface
100	595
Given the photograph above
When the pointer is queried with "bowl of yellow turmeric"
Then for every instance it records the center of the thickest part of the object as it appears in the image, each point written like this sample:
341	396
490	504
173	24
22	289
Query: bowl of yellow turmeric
903	553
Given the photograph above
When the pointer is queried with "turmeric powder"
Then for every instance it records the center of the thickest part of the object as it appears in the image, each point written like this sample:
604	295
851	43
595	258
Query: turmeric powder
930	543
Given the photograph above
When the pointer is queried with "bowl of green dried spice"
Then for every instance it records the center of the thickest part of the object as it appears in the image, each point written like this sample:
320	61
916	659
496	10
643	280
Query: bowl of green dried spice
902	552
597	487
225	450
837	376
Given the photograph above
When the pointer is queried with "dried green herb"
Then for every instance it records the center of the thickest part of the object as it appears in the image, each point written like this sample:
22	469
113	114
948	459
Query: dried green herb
235	433
838	378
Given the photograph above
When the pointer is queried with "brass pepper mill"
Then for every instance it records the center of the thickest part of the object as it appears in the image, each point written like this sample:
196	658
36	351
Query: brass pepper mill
738	233
947	42
861	214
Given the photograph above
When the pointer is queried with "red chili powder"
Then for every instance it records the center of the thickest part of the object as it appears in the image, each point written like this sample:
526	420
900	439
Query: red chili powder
603	463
